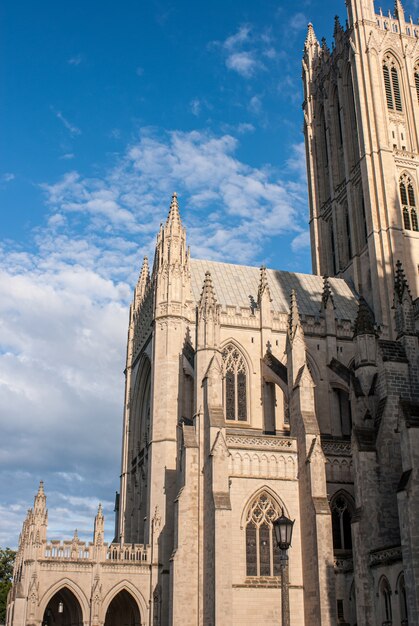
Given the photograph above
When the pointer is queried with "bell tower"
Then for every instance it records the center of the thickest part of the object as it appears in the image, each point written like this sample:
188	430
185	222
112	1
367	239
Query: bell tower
361	124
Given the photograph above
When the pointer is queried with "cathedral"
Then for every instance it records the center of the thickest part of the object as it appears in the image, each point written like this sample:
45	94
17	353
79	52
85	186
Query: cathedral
254	393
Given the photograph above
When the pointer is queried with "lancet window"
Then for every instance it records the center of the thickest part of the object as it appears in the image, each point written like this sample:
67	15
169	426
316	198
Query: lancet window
401	589
417	79
235	384
341	523
385	597
262	553
408	201
392	84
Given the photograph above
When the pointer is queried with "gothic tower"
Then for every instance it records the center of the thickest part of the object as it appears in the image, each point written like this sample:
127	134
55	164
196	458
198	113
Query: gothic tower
361	121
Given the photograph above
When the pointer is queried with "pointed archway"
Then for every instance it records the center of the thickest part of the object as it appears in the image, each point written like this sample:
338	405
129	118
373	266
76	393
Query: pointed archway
123	611
63	610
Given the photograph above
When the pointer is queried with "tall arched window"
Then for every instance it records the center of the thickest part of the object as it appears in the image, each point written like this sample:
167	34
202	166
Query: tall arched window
401	590
417	79
391	83
385	601
262	553
408	201
235	384
341	522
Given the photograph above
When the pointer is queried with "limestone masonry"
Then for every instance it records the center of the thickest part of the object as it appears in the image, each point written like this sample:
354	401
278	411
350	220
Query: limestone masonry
254	391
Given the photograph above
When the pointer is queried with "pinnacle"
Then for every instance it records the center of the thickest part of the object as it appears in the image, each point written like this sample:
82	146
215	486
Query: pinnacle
338	26
398	9
327	295
99	510
400	281
263	283
174	215
41	491
294	316
365	322
311	36
208	297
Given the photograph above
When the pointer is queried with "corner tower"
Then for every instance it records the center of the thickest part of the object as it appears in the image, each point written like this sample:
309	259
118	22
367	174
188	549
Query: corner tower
361	124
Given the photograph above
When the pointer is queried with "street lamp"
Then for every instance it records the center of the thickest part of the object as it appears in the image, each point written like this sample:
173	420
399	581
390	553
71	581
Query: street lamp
283	527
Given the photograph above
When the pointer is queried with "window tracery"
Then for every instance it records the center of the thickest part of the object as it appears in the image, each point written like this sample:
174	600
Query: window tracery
392	84
262	553
341	523
385	595
235	383
408	201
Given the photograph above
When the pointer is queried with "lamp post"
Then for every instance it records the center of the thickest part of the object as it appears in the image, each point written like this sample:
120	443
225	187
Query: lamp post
283	527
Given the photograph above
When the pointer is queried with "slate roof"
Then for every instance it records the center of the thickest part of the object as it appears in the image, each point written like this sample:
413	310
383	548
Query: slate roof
237	285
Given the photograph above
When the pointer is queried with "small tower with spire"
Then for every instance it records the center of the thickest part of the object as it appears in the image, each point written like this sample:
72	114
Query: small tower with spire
208	318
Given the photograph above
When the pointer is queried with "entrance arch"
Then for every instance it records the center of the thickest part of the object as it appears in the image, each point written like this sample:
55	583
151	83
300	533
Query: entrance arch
63	609
123	611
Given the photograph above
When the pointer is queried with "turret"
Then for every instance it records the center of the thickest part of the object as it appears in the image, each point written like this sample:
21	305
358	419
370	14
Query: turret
99	530
142	284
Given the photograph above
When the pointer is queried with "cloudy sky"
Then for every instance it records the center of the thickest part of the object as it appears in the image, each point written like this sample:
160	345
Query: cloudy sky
105	109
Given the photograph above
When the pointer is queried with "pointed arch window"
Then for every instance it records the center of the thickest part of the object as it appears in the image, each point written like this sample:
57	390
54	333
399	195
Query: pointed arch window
385	601
417	79
392	84
235	384
401	590
341	522
408	201
262	552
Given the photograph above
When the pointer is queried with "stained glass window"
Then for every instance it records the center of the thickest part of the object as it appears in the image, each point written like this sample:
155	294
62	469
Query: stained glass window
262	553
235	383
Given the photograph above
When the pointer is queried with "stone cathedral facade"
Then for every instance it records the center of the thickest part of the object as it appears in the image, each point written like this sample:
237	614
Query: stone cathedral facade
254	391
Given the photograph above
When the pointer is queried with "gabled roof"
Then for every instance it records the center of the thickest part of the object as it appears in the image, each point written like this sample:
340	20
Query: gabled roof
237	285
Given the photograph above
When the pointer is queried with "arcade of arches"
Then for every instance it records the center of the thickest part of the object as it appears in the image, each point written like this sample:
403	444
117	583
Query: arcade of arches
64	610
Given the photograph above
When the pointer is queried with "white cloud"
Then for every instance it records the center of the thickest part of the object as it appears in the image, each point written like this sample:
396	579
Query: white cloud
255	105
73	130
75	60
244	63
298	21
301	242
196	107
7	177
67	156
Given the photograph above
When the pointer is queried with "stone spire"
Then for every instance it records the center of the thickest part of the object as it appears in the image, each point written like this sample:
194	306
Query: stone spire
263	289
99	530
142	284
40	501
365	322
171	261
398	10
327	296
173	219
403	303
294	323
208	301
400	283
338	27
311	39
208	315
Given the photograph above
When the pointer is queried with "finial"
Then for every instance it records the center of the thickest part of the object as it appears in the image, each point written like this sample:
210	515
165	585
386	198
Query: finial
41	491
400	282
100	510
75	536
365	322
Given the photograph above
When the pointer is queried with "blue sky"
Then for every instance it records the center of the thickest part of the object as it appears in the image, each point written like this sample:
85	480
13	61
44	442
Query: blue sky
105	109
